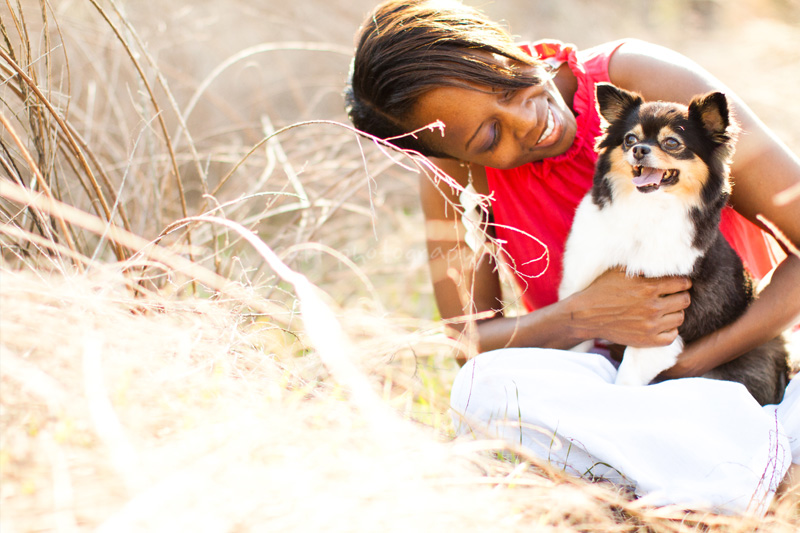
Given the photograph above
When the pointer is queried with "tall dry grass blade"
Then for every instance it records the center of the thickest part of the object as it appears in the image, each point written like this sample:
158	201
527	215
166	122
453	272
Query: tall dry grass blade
156	108
117	206
14	172
275	145
165	87
326	334
4	30
31	84
419	161
344	260
20	235
67	132
246	54
35	169
142	249
320	322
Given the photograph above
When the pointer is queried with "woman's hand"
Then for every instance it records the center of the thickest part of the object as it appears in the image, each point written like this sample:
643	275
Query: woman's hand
633	311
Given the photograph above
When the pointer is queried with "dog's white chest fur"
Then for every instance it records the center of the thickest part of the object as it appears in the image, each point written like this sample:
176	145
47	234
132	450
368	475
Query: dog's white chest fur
649	234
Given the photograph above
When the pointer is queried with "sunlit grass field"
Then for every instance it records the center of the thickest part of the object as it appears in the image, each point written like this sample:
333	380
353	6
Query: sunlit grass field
215	309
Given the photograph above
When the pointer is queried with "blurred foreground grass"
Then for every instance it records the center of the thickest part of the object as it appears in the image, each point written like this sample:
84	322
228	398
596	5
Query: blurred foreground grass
205	326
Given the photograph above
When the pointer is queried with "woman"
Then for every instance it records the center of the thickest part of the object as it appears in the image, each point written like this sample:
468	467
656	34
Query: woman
519	127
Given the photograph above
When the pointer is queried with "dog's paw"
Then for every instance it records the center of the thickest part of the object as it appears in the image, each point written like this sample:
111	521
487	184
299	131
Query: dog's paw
629	372
640	365
583	347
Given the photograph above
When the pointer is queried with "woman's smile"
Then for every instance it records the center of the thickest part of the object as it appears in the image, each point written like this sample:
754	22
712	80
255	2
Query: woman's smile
497	129
548	130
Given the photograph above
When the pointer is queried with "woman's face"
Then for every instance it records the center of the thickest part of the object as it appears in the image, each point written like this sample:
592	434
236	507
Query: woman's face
497	129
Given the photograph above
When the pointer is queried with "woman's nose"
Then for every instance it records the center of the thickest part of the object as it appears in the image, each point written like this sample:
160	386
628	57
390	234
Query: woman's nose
520	116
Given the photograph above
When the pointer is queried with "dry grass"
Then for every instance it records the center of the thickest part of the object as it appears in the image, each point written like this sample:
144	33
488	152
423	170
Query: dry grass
206	325
149	414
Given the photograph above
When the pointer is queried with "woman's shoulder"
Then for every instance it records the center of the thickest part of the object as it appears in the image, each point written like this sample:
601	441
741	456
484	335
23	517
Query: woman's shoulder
658	72
604	50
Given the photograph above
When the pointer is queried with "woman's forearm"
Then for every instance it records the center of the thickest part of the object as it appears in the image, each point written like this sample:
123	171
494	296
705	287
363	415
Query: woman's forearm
548	327
622	309
776	309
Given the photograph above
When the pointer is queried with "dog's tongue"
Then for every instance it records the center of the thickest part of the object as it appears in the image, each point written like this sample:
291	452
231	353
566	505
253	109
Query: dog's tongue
649	176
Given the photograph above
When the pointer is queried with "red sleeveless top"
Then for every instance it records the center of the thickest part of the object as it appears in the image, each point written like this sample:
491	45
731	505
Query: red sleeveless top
533	205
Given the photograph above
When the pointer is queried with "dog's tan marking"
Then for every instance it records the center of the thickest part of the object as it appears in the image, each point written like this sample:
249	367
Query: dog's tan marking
693	176
621	173
669	132
693	173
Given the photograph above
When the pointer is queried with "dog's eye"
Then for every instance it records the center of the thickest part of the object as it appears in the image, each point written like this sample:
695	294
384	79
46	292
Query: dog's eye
631	139
671	143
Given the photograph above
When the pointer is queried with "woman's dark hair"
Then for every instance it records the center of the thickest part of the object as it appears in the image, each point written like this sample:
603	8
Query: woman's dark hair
407	47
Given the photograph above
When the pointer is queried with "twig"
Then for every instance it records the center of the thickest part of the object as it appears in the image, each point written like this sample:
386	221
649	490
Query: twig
157	110
67	131
246	53
35	169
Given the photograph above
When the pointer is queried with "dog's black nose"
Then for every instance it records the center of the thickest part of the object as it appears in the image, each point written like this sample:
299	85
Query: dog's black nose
639	151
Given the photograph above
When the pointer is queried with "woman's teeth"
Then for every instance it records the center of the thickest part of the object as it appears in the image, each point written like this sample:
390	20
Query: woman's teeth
549	128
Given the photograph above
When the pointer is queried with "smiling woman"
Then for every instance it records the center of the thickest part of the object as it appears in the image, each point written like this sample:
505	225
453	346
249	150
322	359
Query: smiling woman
413	47
501	129
520	125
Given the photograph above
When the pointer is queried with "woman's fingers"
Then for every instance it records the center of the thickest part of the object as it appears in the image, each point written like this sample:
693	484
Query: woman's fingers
635	310
670	285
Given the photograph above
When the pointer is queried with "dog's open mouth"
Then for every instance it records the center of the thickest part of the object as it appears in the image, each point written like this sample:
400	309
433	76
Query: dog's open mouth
648	179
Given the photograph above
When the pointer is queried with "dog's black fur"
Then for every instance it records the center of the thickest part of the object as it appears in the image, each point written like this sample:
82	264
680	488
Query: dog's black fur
721	288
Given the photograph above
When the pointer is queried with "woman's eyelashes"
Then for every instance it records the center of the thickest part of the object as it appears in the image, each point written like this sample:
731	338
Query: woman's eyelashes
493	138
504	97
507	95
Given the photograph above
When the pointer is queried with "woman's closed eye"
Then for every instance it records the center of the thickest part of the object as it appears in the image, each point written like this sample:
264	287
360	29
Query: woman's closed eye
507	95
494	138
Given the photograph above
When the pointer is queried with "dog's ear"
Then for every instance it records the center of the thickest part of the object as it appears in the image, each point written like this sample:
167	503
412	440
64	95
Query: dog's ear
711	111
615	103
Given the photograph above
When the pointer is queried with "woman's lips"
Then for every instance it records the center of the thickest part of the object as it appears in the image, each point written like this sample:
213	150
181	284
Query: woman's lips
548	128
552	131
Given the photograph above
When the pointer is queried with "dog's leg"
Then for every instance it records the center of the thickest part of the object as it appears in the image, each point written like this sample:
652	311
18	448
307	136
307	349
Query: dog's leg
584	252
579	275
640	365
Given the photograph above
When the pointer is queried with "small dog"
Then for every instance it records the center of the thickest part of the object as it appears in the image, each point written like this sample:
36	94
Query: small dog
661	181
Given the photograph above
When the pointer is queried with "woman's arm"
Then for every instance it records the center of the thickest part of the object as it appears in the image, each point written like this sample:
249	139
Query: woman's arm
763	168
640	311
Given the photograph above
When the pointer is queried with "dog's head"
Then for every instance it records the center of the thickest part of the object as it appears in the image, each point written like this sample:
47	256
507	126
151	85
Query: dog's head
662	146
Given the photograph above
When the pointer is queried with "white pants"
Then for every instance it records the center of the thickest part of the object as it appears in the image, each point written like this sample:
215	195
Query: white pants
694	442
